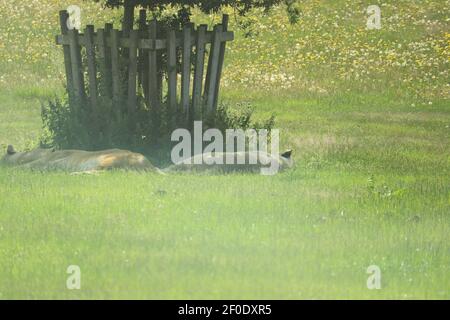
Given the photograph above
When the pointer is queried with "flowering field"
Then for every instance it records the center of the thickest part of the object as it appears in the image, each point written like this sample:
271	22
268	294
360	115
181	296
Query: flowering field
411	52
367	113
330	49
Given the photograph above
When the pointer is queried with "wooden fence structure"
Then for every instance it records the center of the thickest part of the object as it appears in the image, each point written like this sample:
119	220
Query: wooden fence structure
143	50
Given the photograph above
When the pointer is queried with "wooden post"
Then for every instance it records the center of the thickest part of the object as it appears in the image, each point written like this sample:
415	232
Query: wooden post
63	16
128	16
127	26
225	19
186	69
208	70
105	59
153	94
115	69
101	45
132	69
75	59
172	70
143	54
213	64
199	68
92	69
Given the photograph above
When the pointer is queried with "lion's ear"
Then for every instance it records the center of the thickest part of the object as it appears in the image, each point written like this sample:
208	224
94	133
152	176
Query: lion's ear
10	151
287	154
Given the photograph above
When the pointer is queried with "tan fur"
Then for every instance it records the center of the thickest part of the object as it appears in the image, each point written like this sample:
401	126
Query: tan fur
250	157
78	161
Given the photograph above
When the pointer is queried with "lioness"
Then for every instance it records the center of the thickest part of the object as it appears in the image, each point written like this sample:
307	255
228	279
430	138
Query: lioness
77	160
227	162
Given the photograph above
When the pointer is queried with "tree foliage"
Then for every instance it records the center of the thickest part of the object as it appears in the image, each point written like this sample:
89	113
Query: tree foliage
206	6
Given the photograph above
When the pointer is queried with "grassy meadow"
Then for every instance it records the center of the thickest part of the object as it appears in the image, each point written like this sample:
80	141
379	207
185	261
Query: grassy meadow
366	112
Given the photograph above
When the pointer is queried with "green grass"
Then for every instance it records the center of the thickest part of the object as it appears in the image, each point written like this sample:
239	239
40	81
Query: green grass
371	187
304	234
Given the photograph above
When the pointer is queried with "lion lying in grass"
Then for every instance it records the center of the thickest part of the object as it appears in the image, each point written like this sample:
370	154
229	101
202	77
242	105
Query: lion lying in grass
253	162
77	161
